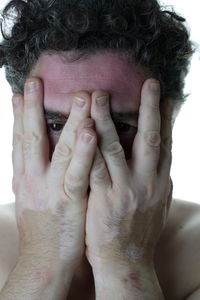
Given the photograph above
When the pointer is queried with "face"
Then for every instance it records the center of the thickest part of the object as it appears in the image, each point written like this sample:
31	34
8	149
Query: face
103	71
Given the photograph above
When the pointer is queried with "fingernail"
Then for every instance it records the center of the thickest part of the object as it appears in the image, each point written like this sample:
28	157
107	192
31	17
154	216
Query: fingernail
155	86
80	101
30	86
87	138
101	101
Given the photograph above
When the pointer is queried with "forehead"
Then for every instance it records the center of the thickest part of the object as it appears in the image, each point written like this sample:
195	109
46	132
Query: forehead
102	71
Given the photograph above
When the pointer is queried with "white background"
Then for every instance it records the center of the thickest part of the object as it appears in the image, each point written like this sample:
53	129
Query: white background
186	149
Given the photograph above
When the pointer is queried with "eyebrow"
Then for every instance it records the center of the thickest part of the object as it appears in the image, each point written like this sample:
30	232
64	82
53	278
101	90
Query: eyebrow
120	116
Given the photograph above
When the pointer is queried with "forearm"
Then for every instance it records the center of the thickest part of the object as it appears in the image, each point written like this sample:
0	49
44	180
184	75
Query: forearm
35	280
134	283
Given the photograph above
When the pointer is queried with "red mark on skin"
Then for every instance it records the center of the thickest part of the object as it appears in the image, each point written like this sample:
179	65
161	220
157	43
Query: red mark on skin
41	277
135	281
133	276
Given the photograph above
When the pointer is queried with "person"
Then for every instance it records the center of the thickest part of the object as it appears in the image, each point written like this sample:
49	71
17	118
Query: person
97	86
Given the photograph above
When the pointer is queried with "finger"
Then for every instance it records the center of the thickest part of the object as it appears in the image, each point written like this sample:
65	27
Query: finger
108	139
77	174
80	110
63	151
146	148
63	155
36	144
99	176
17	153
87	123
167	121
169	200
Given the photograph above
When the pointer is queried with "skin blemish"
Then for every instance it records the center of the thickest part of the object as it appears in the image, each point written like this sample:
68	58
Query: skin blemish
135	280
133	277
42	278
134	253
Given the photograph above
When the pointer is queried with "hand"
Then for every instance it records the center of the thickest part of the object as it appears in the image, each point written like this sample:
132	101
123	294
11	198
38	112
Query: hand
128	202
51	197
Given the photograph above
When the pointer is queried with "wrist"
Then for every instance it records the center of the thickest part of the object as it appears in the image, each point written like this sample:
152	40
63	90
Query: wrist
49	258
133	281
49	267
34	278
118	269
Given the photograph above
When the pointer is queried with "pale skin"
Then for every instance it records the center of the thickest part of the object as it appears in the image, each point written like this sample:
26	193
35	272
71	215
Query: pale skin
117	223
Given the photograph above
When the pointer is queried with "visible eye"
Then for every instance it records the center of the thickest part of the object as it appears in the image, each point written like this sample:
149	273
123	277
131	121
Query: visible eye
55	127
124	127
126	133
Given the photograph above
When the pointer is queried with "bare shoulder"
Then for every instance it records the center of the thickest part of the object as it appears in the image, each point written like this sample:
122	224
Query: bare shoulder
184	212
9	241
177	256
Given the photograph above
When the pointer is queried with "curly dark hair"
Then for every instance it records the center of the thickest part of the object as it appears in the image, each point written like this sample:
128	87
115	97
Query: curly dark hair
156	39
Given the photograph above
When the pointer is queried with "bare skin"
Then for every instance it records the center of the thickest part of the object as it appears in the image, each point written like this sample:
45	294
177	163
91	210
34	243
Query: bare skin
176	261
55	91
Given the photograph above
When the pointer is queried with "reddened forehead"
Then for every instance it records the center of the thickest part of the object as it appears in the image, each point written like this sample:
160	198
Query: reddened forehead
102	71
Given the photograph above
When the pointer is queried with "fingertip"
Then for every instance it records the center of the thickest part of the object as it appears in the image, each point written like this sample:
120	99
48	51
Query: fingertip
81	98
99	94
154	85
100	99
33	85
35	79
87	124
151	93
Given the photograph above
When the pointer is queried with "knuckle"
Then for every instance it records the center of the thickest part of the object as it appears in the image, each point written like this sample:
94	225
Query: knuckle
130	196
62	149
167	143
70	189
31	141
62	153
152	138
72	186
17	139
115	148
99	171
146	193
116	153
75	178
32	138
